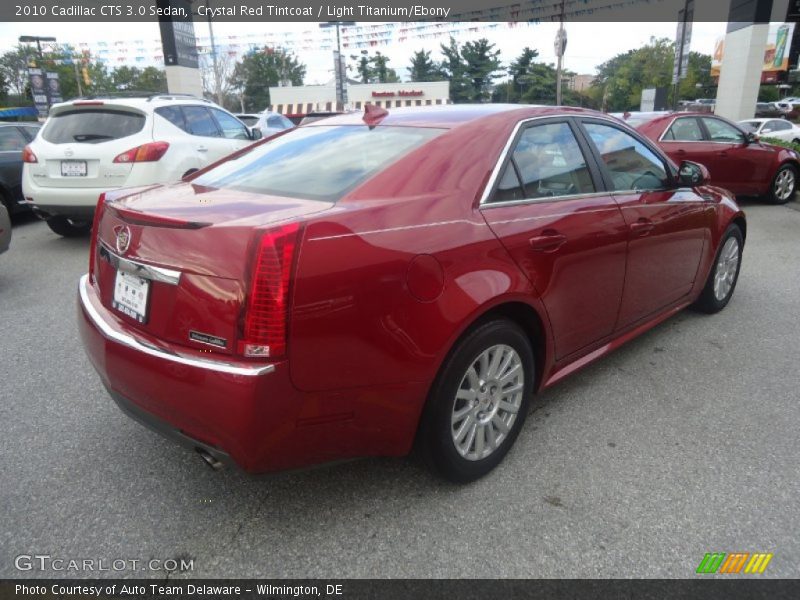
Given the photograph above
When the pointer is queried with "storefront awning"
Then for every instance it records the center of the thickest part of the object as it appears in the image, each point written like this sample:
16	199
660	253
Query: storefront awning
301	109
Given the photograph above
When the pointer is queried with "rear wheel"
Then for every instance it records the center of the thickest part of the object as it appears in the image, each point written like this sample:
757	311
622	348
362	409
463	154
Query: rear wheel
784	185
478	402
66	227
724	274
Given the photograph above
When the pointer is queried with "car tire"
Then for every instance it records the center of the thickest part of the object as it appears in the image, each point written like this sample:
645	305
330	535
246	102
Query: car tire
66	227
724	274
783	185
481	394
796	141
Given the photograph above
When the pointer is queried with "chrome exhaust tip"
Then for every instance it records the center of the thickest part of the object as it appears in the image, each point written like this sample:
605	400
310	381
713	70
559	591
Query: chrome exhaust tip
212	462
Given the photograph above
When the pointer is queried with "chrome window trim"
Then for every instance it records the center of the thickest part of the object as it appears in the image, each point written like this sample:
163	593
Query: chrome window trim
487	190
137	268
130	342
544	199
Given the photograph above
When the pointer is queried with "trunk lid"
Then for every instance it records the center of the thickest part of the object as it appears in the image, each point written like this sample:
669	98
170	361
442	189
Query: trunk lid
203	239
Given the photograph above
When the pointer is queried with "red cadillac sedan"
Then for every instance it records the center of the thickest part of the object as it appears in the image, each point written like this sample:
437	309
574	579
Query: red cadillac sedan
737	161
368	284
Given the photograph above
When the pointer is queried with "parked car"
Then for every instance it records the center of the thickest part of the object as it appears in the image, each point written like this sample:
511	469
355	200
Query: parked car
780	129
13	139
317	116
270	123
736	160
5	229
361	283
790	109
769	110
88	146
248	119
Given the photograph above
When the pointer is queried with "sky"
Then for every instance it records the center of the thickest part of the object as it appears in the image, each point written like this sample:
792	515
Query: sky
588	45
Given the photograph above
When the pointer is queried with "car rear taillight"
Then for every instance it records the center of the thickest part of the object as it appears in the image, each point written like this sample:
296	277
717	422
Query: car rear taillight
145	153
266	312
98	215
28	156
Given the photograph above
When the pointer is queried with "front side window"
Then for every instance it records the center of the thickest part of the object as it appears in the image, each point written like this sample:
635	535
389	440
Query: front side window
684	130
200	122
779	125
546	162
231	127
319	163
92	125
720	131
631	164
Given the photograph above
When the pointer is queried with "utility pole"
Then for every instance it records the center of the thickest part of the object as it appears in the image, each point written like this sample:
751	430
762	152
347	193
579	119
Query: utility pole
35	38
214	65
560	46
341	76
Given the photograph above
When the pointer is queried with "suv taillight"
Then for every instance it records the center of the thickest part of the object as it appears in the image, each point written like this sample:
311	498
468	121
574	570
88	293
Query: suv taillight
98	215
145	153
267	309
28	156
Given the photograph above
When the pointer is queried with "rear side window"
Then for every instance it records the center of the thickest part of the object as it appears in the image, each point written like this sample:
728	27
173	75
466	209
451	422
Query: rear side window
92	126
318	163
173	114
11	140
684	130
200	122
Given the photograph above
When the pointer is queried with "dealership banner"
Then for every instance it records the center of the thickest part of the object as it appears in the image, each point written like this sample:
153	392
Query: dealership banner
397	589
39	91
776	52
357	10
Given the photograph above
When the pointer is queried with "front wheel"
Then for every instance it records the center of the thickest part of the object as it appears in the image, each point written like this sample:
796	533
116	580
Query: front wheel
784	185
478	402
724	274
67	227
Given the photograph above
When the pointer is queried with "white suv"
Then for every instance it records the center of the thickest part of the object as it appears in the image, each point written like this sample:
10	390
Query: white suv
89	146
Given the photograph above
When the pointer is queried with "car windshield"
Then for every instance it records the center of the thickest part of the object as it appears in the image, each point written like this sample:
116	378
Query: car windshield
318	163
92	126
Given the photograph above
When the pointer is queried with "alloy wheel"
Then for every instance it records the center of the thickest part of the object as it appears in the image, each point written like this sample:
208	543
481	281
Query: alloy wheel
784	184
727	268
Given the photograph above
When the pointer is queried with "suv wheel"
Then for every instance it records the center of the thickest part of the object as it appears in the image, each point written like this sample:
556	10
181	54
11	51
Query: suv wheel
66	227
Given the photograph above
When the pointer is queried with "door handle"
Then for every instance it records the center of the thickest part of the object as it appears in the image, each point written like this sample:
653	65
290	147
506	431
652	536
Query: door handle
642	227
680	151
722	153
549	241
202	149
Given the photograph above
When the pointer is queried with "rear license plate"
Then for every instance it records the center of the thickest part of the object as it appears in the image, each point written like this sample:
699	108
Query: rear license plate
131	295
73	168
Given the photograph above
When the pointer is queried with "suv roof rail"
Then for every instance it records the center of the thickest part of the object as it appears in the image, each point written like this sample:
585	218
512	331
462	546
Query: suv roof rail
148	96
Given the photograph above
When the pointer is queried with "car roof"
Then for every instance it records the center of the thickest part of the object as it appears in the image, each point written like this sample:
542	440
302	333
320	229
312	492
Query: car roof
143	103
448	116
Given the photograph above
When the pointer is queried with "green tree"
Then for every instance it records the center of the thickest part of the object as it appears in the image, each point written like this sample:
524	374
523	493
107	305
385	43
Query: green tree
364	69
422	68
152	79
454	69
261	68
519	70
623	77
481	68
383	74
14	68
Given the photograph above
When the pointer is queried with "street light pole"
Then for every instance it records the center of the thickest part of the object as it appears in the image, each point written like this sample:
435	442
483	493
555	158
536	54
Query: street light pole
341	91
560	47
38	39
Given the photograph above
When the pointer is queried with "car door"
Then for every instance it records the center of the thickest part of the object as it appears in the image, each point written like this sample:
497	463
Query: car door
779	129
564	232
233	130
208	142
12	141
666	226
735	163
684	139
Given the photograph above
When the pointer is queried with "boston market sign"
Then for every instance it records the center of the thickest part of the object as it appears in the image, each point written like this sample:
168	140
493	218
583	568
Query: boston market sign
401	93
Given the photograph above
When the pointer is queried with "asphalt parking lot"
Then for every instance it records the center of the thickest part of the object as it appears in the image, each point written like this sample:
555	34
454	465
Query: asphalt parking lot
685	441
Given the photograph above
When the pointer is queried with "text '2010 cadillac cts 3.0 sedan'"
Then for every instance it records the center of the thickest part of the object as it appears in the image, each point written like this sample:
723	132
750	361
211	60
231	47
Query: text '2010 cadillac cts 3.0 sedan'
365	283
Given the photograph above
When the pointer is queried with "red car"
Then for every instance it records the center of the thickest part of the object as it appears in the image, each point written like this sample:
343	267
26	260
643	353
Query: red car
357	285
736	160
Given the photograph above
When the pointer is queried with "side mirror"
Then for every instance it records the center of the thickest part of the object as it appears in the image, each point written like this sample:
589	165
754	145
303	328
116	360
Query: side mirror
692	174
255	133
753	138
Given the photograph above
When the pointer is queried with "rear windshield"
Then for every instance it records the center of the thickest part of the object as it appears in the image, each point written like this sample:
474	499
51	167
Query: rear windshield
92	126
318	163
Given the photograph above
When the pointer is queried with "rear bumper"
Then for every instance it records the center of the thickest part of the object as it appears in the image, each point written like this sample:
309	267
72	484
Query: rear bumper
76	203
248	412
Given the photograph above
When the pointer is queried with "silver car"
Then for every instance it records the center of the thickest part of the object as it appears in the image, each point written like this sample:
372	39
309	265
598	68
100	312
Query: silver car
5	229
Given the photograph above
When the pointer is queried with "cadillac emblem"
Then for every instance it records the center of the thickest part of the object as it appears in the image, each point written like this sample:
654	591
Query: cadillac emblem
123	238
